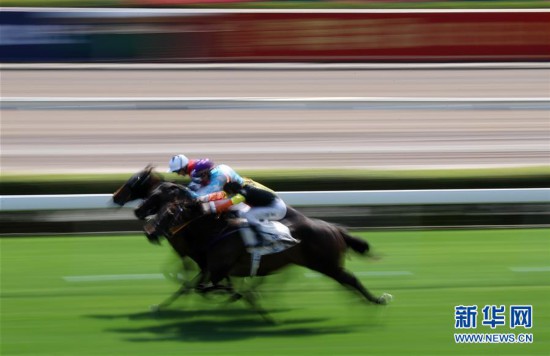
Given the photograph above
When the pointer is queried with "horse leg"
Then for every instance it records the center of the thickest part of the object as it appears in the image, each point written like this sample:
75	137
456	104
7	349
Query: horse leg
349	280
185	288
250	297
219	272
205	285
171	299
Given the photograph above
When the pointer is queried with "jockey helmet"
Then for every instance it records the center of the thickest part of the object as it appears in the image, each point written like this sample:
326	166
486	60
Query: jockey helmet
177	163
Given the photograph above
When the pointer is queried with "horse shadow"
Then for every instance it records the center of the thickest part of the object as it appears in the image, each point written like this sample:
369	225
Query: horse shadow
217	325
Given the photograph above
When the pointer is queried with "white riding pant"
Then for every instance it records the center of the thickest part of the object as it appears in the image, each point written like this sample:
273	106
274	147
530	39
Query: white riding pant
275	211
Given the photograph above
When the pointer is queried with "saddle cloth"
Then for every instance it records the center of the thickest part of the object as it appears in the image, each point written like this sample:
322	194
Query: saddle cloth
276	238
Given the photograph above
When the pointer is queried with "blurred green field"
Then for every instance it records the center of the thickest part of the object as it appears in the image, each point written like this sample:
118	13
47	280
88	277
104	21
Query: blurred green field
428	272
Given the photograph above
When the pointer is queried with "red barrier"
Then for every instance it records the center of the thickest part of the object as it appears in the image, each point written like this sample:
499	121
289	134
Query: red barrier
375	37
281	36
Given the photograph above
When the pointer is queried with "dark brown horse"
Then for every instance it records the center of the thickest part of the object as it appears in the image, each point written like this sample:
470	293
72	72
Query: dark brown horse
217	247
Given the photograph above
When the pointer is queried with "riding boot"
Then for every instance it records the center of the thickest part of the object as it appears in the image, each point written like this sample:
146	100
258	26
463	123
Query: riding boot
259	237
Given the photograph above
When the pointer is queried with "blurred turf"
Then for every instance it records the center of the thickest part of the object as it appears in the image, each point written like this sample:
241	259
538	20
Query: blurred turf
42	314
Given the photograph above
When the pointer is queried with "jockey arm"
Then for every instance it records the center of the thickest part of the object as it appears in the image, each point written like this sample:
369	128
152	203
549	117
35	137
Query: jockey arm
219	176
213	196
221	205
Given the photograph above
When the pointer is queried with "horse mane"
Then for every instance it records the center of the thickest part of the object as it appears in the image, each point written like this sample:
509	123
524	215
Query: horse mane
163	184
153	174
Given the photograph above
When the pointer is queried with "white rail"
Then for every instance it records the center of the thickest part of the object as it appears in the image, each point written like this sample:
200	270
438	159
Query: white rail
321	198
280	103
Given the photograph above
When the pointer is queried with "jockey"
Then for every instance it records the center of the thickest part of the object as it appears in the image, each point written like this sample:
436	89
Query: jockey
183	166
264	204
212	178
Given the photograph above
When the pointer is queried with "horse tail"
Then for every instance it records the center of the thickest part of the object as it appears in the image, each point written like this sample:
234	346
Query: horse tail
356	244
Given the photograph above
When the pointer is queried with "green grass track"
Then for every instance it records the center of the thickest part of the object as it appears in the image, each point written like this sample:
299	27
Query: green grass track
91	296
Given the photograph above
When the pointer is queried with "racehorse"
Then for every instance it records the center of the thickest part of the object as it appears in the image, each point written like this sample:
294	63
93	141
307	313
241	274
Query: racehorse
151	186
217	247
147	184
142	185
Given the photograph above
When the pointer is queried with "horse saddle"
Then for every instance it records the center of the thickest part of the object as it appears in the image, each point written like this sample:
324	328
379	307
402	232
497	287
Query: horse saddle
276	237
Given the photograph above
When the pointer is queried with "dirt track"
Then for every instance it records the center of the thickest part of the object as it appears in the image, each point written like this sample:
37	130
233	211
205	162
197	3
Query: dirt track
97	141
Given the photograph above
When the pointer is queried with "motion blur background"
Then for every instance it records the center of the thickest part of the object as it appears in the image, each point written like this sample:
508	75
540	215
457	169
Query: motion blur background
301	96
351	98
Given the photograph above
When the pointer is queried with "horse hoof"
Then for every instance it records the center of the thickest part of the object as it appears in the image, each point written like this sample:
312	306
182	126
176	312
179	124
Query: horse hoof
385	298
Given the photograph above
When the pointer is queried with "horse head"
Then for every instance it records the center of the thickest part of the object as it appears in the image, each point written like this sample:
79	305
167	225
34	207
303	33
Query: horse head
165	193
169	216
175	206
160	224
139	186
